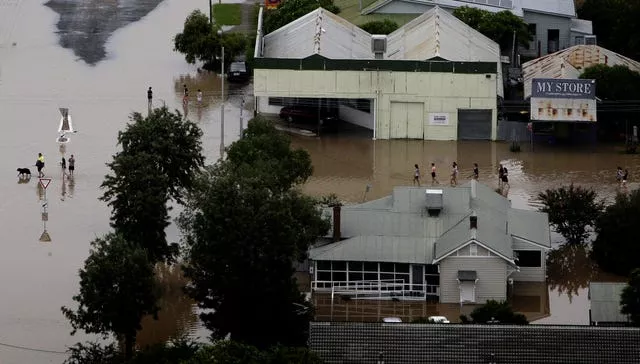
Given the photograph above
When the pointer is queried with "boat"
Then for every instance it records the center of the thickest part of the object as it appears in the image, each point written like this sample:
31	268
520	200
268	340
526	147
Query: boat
65	126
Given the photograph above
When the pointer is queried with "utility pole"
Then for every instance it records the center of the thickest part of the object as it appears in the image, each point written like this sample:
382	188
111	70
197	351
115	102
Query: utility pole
210	13
241	110
222	106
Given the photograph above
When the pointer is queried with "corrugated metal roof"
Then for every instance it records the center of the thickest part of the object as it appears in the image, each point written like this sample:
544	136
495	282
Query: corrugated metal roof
556	7
449	4
605	302
319	32
530	225
570	62
401	222
376	249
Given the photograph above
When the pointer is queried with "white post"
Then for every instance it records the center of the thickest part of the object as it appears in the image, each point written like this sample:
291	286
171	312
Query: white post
222	107
241	110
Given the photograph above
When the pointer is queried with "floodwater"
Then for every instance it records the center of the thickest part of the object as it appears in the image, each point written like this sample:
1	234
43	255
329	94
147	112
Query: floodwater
97	60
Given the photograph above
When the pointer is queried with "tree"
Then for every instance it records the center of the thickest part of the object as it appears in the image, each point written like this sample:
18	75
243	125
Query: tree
385	26
498	26
290	10
630	298
614	83
93	353
571	210
244	226
569	269
496	312
199	41
615	24
160	156
232	352
615	248
116	291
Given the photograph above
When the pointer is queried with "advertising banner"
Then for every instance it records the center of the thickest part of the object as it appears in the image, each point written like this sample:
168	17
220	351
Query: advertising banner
563	100
271	4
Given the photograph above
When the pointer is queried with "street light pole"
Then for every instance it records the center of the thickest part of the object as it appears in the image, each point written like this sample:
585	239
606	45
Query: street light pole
222	106
210	13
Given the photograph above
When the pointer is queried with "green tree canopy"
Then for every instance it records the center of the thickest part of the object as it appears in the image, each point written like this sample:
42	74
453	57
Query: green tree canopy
616	248
244	226
199	41
615	22
385	26
290	10
571	210
497	312
497	26
116	291
160	156
630	298
614	83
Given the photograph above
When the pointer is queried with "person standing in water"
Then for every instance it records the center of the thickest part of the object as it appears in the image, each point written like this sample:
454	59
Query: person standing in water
40	165
624	178
72	165
149	98
199	97
416	175
454	174
476	172
500	175
434	180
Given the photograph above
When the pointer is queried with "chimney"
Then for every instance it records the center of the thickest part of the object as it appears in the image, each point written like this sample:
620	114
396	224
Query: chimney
473	221
336	223
474	188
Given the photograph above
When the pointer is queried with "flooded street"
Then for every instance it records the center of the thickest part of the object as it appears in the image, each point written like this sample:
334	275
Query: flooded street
98	60
38	76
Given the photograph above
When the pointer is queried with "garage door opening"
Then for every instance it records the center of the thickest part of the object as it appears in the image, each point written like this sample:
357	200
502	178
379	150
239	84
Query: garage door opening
321	115
474	124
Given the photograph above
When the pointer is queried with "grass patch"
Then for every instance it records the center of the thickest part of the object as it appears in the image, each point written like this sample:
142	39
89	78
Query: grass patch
350	11
227	14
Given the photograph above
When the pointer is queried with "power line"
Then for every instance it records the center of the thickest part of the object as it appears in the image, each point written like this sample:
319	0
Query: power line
33	349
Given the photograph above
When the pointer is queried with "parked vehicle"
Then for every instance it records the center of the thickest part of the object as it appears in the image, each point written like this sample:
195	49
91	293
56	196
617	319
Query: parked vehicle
310	118
238	72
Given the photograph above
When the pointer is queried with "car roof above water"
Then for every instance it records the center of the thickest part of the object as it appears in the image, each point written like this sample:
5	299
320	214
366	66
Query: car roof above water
238	66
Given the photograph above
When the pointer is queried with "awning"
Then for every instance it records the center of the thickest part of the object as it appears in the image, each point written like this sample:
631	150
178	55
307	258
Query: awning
467	275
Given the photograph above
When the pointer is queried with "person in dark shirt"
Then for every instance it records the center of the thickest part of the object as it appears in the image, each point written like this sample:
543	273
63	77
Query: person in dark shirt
476	172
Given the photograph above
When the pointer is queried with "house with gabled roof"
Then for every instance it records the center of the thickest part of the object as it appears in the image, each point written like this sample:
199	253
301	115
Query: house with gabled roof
459	244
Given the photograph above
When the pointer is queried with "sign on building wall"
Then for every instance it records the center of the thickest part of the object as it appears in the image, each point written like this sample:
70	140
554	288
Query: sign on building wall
554	99
271	4
438	118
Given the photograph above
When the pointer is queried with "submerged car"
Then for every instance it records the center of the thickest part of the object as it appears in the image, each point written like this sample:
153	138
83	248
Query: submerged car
238	72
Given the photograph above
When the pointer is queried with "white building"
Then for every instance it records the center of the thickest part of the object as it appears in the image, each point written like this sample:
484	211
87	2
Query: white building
435	78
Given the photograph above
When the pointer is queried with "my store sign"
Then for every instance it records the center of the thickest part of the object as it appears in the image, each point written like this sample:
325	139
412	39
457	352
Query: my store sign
563	100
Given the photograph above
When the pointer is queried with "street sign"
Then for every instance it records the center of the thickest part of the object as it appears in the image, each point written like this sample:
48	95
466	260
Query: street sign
44	182
45	237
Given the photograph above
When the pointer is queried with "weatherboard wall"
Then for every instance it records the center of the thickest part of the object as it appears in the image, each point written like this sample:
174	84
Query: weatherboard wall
437	92
492	278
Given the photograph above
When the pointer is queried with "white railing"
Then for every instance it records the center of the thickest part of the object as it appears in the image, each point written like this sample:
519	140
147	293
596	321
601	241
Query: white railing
377	289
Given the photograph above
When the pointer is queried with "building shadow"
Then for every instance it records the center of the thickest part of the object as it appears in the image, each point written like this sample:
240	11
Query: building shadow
569	269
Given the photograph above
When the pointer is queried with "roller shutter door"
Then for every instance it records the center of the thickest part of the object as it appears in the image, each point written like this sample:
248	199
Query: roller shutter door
474	124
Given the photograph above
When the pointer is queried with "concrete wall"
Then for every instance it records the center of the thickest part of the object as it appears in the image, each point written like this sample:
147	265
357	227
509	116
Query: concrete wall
492	278
357	117
544	22
439	92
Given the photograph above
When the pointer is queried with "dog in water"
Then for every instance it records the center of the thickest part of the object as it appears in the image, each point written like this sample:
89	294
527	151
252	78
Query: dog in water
24	173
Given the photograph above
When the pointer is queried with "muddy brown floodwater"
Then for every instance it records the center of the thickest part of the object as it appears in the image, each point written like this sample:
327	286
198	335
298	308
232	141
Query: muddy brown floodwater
51	59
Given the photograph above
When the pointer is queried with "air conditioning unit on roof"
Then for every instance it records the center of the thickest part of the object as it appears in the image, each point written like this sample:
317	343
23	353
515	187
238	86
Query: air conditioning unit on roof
590	40
378	45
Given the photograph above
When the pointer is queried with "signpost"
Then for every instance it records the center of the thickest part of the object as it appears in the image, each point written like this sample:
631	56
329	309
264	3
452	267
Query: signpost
44	182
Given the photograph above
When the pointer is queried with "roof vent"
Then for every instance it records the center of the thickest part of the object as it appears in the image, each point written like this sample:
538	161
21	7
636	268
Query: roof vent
378	45
434	202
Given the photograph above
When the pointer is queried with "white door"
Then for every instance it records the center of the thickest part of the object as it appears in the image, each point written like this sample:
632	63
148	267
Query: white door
467	291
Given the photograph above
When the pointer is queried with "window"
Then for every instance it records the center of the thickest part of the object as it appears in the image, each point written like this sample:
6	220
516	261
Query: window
529	258
473	250
370	267
355	266
277	101
340	266
324	265
324	276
